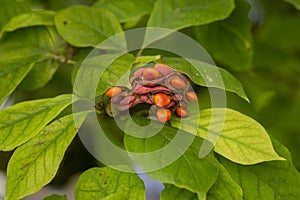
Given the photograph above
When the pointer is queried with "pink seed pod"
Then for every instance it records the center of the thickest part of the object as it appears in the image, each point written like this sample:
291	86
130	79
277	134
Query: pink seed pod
140	89
127	100
163	69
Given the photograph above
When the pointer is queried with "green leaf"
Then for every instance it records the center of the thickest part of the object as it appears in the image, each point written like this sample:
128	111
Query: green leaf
177	15
126	10
268	180
187	170
205	74
88	27
295	3
11	74
115	74
229	42
225	187
19	51
34	18
110	184
174	193
24	120
9	9
56	197
27	44
78	59
35	163
98	73
89	73
41	73
241	140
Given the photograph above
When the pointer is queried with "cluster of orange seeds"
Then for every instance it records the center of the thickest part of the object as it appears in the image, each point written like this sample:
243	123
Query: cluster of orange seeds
167	90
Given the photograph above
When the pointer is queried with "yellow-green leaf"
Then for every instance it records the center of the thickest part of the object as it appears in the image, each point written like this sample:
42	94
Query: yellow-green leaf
24	120
35	163
110	184
241	140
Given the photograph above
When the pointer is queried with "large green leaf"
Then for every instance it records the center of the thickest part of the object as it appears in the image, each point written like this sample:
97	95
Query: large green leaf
11	74
268	180
110	184
207	75
83	26
176	15
187	170
295	3
229	42
19	51
40	75
27	44
24	120
9	9
241	140
35	18
225	188
35	163
126	10
174	193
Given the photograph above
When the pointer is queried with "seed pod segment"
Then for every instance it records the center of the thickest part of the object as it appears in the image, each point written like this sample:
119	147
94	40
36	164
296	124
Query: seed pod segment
163	69
181	112
163	115
113	91
191	96
161	99
178	83
150	73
